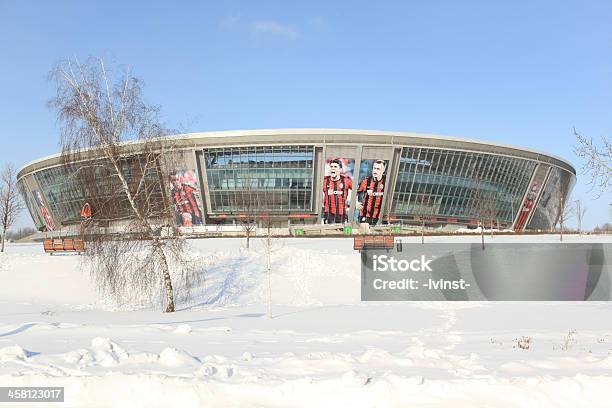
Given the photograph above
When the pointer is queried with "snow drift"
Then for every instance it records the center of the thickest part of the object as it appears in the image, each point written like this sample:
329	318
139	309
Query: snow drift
322	348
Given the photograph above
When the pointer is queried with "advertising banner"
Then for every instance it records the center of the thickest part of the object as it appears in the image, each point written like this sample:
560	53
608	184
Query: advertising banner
370	190
44	210
337	189
532	195
185	195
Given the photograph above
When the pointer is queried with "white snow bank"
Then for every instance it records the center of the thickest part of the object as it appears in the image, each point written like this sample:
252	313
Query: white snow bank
322	348
301	275
352	388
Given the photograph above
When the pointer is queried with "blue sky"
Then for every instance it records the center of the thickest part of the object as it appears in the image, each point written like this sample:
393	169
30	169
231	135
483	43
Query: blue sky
523	72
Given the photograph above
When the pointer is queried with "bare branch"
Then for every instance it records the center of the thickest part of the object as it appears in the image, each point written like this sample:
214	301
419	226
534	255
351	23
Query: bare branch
126	187
598	161
11	204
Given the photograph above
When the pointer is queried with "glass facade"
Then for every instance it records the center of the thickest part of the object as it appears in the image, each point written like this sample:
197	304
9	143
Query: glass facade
63	195
444	185
67	189
454	184
30	204
260	178
547	210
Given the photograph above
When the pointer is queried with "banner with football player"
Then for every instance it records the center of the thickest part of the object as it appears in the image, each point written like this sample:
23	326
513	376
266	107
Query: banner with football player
337	189
532	194
370	190
185	195
44	210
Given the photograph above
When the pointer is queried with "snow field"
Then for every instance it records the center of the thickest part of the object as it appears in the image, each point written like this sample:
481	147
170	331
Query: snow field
322	348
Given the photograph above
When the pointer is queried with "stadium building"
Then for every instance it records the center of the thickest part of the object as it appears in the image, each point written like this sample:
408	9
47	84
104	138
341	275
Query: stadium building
331	176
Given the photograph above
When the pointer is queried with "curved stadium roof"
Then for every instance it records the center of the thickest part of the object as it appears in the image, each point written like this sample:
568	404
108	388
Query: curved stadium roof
331	136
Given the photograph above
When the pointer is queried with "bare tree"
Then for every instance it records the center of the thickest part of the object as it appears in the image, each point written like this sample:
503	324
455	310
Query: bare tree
564	212
605	228
425	210
271	243
422	217
246	201
269	265
598	160
21	233
580	211
492	212
248	221
10	200
124	184
484	205
268	244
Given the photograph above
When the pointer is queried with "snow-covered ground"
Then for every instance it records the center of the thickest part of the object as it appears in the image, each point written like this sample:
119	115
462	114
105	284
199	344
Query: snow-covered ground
323	347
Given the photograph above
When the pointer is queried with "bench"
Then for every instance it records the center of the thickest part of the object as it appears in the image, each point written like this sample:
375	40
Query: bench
373	242
64	246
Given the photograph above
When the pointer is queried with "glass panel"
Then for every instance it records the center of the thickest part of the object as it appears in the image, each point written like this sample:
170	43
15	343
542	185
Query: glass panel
435	182
268	178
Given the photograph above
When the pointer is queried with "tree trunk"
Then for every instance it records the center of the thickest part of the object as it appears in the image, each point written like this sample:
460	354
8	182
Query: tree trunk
482	234
561	223
269	249
167	279
4	226
165	269
422	230
248	234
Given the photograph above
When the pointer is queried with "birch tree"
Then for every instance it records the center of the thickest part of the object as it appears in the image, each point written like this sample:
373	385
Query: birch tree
11	204
424	210
115	152
248	204
597	160
580	211
483	205
268	249
564	212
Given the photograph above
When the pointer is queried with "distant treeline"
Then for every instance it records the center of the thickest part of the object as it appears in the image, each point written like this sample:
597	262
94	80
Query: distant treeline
607	227
20	233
